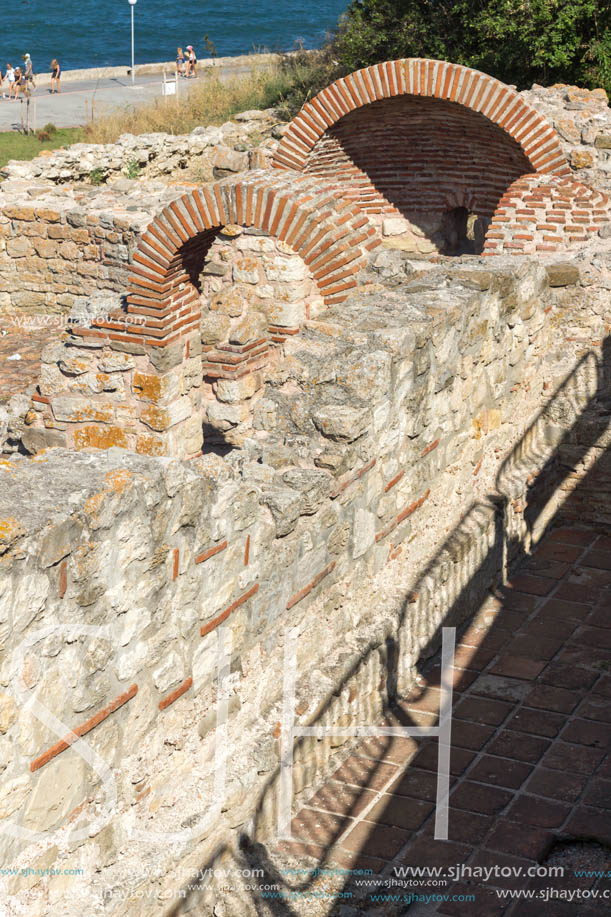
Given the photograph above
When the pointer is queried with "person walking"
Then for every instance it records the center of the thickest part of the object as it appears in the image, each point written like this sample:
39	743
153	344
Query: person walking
10	78
192	62
55	76
29	71
21	84
180	62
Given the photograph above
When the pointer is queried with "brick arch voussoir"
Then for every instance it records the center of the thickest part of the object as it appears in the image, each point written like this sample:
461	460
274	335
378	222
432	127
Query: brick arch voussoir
477	91
308	214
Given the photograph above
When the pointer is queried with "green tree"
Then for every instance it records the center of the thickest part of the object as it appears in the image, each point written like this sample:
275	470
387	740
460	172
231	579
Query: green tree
517	41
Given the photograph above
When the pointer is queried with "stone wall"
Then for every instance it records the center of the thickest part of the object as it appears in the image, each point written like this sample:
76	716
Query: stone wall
206	153
582	120
80	240
149	396
60	248
390	418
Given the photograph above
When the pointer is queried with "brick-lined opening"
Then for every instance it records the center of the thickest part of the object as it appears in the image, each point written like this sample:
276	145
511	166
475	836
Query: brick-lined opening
545	213
422	140
153	401
419	158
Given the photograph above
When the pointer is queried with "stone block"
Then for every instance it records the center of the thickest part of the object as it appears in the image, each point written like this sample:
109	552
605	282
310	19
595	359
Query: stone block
234	390
115	362
13	794
162	418
214	328
284	314
394	226
341	422
215	269
285	505
18	248
96	437
224	416
36	439
286	270
165	358
246	270
76	409
603	142
150	386
73	365
313	485
229	302
127	347
562	274
251	327
224	161
148	444
583	159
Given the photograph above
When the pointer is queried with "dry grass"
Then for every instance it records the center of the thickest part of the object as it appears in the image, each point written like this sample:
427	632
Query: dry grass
207	101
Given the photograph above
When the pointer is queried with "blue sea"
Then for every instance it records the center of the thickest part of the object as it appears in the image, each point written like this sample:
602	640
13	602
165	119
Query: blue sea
97	33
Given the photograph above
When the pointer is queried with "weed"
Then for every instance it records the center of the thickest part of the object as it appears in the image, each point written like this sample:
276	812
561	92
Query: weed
96	176
132	169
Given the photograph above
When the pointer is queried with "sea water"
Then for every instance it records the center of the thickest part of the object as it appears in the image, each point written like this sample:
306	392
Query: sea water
97	33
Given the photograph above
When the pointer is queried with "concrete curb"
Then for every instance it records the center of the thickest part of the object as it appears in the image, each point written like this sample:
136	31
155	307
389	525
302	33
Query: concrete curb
98	73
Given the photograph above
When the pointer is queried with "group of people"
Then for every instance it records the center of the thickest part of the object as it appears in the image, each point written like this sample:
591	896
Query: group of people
186	65
20	80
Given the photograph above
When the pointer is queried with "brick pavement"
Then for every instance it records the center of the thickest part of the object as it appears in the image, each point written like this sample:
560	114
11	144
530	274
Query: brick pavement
17	375
530	763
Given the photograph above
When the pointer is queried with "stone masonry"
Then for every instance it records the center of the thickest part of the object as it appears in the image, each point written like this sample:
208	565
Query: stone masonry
387	417
317	429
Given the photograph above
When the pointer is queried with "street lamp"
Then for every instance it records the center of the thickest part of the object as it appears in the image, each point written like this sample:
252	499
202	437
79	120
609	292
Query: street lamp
132	4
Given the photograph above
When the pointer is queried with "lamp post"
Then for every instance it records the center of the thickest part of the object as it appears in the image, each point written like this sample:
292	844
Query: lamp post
132	4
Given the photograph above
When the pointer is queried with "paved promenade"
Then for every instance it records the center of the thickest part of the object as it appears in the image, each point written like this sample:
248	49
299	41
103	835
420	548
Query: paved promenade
73	106
530	762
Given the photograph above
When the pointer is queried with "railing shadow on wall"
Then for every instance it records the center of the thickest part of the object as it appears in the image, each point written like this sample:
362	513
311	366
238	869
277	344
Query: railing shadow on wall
492	539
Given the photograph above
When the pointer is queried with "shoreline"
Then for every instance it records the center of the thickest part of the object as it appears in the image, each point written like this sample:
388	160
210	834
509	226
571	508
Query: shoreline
98	73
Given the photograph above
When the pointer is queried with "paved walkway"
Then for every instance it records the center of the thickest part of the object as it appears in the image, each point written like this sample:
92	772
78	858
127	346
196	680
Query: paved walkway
530	760
73	106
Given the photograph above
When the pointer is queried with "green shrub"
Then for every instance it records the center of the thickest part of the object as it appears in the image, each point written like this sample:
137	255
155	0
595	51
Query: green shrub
517	41
132	169
96	177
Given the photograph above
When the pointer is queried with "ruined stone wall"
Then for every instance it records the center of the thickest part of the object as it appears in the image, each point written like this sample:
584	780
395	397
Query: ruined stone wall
150	396
425	148
582	120
386	419
53	257
60	248
208	152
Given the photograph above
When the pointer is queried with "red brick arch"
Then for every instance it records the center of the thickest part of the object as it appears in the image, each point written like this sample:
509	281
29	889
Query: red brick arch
311	216
546	213
432	79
